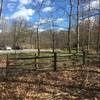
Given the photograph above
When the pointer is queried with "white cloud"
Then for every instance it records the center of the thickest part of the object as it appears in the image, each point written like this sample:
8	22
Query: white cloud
92	19
7	18
49	20
25	1
59	20
11	6
41	30
23	13
47	9
34	27
60	29
42	21
93	5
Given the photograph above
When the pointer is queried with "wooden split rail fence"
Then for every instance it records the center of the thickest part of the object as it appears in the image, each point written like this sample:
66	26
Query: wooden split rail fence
55	56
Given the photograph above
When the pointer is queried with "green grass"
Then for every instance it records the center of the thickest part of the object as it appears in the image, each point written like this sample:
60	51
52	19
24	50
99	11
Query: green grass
3	56
32	54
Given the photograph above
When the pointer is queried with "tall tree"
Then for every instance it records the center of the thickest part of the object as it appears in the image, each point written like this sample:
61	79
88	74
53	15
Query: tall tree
38	40
1	6
38	9
69	29
53	36
82	31
77	27
98	39
89	31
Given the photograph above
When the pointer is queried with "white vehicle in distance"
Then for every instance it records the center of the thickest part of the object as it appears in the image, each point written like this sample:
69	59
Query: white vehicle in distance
8	48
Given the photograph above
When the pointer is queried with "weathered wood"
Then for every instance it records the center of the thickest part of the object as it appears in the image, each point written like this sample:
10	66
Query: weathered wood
28	58
43	57
35	62
56	58
55	61
84	57
7	64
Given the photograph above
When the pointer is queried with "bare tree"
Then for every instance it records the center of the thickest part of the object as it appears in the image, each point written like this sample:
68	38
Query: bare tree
98	39
1	6
53	36
14	38
38	9
82	30
38	40
31	37
69	29
19	31
89	31
77	27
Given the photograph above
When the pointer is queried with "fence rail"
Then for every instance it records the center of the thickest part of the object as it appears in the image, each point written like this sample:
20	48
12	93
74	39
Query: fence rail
56	57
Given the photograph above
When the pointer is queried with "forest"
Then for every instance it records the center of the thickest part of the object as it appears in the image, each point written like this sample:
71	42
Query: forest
49	49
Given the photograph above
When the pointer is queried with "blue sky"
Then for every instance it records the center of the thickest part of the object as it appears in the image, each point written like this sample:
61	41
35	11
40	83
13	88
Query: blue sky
35	10
42	10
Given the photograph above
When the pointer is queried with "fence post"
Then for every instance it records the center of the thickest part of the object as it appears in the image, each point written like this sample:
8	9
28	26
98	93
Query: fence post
84	57
55	61
35	62
7	64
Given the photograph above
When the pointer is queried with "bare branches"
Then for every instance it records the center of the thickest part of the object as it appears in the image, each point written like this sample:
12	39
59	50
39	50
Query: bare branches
69	29
77	28
1	6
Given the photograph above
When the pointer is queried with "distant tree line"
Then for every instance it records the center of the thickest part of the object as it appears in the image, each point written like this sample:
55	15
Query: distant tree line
82	32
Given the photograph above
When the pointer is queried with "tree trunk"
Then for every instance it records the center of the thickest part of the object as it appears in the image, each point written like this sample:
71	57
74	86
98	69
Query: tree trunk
98	40
1	6
53	40
77	28
38	42
83	29
89	31
69	29
31	35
